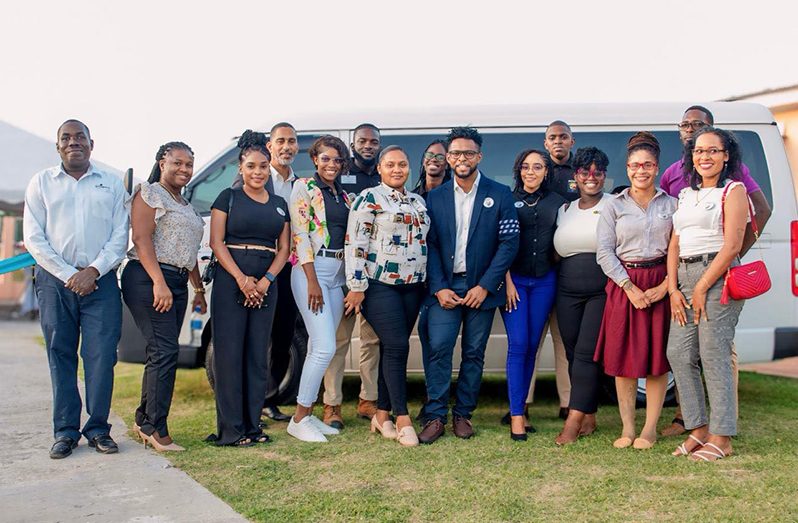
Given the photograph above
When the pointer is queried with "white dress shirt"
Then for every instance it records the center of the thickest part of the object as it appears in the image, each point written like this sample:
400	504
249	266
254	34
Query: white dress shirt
282	188
71	223
463	209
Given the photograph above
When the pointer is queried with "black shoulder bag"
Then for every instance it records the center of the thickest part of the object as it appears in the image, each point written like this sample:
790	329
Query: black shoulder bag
210	269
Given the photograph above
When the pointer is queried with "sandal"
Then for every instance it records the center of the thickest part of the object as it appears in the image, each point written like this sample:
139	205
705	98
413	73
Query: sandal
682	450
708	455
242	442
262	438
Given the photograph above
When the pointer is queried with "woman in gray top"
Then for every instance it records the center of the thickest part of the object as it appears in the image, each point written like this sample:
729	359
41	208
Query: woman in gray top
166	232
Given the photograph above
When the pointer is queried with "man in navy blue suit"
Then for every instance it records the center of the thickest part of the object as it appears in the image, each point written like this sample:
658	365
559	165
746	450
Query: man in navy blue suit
472	240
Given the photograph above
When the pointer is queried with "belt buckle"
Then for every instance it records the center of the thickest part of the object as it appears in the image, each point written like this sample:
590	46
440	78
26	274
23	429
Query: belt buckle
339	255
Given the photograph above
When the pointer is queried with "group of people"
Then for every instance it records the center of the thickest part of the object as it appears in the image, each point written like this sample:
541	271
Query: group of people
628	284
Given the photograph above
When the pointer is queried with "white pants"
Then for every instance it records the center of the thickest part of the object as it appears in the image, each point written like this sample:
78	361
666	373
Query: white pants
321	326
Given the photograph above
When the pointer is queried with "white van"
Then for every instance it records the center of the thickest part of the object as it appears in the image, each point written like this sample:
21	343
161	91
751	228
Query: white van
768	327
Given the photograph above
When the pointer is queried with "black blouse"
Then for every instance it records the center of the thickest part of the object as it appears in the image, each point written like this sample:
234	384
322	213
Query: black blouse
537	214
250	222
336	212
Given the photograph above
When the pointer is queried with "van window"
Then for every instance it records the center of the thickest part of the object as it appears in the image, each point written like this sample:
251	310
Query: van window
220	174
500	148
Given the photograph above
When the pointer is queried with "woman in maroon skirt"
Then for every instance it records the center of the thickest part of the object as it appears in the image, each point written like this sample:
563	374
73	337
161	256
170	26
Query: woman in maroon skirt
633	235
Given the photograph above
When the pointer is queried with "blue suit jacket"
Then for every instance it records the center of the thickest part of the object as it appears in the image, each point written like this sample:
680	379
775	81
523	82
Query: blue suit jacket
492	239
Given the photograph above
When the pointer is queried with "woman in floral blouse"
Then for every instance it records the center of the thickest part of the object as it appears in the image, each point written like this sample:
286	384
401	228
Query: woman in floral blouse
386	260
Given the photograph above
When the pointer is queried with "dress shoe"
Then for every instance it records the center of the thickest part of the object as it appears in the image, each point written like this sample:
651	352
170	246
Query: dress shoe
388	429
407	437
62	447
160	444
518	437
366	409
676	428
507	418
462	427
332	416
104	444
274	413
305	430
433	430
324	429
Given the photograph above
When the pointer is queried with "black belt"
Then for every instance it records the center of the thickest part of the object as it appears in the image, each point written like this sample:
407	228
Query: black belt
706	258
338	254
645	264
459	274
165	266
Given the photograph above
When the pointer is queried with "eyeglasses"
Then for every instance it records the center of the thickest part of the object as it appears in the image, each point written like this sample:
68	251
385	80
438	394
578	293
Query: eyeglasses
434	156
584	175
647	166
469	155
712	151
327	159
535	167
695	124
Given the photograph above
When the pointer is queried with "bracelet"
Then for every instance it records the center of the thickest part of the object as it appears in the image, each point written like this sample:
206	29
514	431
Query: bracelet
199	290
624	282
269	276
672	291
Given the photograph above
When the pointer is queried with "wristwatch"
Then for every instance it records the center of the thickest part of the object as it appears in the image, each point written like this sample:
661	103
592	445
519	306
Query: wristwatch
625	284
269	276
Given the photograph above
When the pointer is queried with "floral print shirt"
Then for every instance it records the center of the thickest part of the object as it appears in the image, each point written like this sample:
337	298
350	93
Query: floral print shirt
309	220
386	238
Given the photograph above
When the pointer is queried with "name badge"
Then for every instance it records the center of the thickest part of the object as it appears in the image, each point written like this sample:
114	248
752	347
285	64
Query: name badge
709	206
487	202
518	205
281	212
348	179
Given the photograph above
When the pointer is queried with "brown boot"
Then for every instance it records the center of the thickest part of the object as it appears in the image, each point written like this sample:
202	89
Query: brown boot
332	416
366	409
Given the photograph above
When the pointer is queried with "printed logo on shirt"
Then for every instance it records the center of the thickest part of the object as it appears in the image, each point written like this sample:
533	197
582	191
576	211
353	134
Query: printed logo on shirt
572	186
488	202
101	186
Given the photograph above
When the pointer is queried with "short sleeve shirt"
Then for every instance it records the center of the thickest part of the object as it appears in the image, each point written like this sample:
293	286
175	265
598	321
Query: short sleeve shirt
673	180
250	222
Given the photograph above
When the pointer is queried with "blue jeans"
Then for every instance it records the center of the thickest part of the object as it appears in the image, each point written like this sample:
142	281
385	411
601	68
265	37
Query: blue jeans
524	327
95	321
443	328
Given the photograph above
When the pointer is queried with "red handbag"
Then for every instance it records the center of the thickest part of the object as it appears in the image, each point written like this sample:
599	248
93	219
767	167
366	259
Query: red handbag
744	281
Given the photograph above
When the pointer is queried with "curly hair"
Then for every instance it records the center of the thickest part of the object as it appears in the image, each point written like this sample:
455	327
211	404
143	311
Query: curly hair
332	142
468	133
253	141
643	141
155	173
732	167
547	162
586	156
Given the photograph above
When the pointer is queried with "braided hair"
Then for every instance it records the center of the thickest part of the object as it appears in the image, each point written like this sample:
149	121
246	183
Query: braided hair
155	173
253	141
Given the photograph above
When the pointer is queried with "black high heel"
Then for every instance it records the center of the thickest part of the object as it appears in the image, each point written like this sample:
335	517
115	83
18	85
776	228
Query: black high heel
518	437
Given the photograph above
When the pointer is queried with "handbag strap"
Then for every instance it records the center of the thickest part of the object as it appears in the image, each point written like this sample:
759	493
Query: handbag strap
750	211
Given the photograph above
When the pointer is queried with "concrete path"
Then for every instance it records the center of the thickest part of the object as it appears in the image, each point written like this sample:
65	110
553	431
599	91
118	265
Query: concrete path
786	368
133	485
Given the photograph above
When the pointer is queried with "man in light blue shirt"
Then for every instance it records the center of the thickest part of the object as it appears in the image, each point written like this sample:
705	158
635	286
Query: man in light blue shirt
76	228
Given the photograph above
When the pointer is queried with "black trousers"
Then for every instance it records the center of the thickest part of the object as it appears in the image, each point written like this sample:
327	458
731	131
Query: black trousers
391	310
240	339
580	307
161	332
282	334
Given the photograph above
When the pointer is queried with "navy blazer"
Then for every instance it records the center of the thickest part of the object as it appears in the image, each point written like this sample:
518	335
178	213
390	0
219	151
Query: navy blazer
492	239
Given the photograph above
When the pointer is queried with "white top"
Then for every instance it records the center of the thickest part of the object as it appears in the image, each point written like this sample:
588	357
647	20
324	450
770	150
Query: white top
576	228
463	209
282	188
72	223
697	220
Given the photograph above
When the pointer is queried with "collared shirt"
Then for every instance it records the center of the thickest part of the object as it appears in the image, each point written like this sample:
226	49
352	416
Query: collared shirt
356	180
537	215
628	232
72	223
562	179
674	179
282	188
463	209
337	213
386	239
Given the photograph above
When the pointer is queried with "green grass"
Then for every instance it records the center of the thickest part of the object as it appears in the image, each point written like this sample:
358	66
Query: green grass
360	476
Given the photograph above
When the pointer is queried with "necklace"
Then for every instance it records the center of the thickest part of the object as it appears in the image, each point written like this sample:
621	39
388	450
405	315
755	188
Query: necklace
698	200
175	198
531	204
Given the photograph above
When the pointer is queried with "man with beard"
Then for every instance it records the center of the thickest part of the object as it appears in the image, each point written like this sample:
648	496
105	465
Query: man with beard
362	175
76	228
473	238
283	147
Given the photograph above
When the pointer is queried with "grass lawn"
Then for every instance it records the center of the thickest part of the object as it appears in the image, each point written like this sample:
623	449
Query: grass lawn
360	476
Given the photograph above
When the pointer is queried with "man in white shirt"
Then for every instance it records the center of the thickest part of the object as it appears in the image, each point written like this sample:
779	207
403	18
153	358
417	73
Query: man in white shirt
283	147
76	228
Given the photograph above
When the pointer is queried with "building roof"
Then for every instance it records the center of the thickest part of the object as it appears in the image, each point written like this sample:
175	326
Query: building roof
785	97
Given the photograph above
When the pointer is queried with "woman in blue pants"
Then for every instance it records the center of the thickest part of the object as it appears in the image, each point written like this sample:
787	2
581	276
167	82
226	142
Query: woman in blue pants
532	280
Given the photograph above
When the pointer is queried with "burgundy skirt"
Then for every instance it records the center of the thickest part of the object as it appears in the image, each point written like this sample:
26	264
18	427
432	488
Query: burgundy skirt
632	342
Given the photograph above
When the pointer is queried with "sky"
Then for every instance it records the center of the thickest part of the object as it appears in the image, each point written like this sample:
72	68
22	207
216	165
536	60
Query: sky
144	73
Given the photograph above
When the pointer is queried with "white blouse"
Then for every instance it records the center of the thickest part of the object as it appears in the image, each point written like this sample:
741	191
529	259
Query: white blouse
576	228
697	220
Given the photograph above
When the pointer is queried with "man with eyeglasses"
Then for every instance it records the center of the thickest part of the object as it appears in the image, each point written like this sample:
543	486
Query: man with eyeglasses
472	241
362	175
674	179
558	141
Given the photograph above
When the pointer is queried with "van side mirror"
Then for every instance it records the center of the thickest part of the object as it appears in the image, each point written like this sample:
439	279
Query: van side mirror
128	180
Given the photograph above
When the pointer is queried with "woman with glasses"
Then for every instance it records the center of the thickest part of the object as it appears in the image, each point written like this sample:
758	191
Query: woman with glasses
319	213
434	169
250	239
386	266
709	226
633	236
580	290
531	281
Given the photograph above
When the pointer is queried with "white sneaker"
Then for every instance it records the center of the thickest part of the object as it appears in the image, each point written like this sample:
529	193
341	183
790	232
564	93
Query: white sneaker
323	428
305	430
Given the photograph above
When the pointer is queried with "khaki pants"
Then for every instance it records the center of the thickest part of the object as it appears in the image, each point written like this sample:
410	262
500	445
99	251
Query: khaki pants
369	361
560	363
